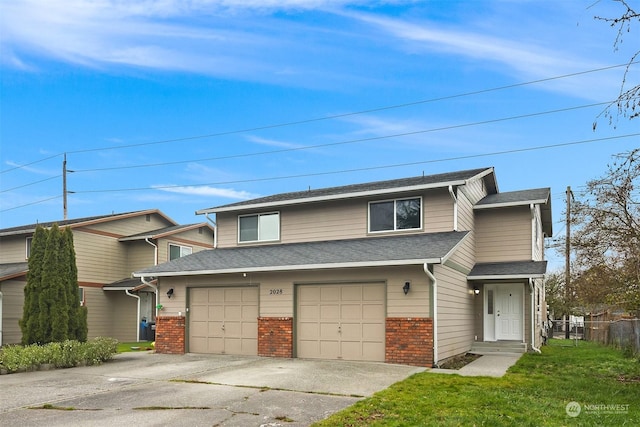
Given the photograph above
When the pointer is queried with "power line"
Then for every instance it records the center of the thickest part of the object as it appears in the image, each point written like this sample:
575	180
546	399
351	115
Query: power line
31	183
352	141
29	204
329	117
519	150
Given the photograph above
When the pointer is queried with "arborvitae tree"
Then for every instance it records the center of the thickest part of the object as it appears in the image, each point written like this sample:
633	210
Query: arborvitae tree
77	314
30	322
52	309
53	302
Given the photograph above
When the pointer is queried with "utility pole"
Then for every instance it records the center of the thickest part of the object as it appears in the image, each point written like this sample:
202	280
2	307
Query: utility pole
64	186
567	267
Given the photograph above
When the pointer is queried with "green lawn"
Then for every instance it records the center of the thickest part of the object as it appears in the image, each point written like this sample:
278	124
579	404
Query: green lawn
124	347
534	392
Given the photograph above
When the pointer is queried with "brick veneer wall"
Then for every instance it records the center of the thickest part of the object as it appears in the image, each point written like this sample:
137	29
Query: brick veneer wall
170	331
275	336
409	341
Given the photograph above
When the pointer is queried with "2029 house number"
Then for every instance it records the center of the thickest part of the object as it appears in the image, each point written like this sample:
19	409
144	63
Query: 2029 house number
275	292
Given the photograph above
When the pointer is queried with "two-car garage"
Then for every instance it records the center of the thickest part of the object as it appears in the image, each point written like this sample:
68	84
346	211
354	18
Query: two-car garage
332	321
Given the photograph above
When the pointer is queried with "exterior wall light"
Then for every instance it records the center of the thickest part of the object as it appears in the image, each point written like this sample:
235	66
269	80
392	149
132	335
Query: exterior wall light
476	290
406	287
169	293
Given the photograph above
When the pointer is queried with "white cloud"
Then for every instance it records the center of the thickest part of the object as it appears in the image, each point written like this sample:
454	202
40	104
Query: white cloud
207	191
272	142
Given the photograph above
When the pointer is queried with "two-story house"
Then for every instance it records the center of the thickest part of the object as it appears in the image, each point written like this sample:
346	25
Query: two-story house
411	271
108	248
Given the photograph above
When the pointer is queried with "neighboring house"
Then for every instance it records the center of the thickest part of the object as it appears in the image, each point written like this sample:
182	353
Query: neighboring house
411	271
108	248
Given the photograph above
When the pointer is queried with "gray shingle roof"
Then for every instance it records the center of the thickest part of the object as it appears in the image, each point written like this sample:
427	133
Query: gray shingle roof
515	197
354	189
508	270
15	269
393	250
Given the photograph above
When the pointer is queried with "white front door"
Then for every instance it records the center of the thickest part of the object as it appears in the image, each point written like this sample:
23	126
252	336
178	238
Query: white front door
509	313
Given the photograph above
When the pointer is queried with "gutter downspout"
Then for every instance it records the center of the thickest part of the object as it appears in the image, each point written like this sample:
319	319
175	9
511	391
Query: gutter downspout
532	295
215	230
126	291
434	286
155	262
455	208
155	288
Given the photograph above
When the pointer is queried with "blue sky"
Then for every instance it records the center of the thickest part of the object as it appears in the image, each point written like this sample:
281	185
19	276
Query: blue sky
182	105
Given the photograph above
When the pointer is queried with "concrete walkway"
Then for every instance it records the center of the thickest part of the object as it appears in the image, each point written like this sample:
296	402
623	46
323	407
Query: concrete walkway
484	366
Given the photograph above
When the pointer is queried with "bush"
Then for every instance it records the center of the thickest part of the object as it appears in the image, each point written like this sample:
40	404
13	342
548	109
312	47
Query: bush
65	354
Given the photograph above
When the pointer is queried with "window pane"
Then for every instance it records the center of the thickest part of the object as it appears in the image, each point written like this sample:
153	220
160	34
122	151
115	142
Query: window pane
174	252
381	216
185	250
490	301
407	214
269	227
248	228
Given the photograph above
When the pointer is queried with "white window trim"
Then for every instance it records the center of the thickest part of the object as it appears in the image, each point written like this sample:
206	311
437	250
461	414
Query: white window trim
181	248
81	293
27	248
259	215
395	225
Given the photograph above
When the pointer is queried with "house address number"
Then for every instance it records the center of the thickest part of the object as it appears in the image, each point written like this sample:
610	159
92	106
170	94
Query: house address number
275	292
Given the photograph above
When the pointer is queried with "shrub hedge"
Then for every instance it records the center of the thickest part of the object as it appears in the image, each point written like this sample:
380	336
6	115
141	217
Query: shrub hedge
65	354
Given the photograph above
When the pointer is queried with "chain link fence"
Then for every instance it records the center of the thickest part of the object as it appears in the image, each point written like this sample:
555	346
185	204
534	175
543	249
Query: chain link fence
619	333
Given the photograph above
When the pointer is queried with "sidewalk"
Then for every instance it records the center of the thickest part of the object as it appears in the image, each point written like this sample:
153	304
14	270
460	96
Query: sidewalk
484	366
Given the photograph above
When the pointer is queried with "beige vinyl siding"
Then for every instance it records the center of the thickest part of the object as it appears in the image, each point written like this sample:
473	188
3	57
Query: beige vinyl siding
276	304
140	255
343	219
503	234
437	211
13	249
100	259
12	310
455	313
98	312
123	320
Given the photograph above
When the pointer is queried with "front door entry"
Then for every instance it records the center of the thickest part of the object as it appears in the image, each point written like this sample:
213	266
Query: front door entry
509	312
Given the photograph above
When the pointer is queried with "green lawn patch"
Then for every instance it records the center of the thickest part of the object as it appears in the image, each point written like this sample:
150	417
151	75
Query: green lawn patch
124	347
534	392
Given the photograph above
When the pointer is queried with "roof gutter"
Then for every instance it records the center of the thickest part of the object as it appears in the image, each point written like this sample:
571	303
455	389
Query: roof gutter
434	291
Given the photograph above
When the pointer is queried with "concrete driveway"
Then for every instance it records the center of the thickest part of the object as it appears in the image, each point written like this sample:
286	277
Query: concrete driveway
150	389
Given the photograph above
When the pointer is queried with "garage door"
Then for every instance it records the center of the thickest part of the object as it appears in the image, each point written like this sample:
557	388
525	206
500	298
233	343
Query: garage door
223	320
345	321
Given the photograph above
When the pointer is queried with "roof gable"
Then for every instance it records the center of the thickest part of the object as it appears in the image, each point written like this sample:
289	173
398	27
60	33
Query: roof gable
536	196
81	222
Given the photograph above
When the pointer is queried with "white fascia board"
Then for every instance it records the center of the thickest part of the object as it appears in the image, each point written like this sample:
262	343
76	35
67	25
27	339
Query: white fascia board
300	201
293	267
506	277
119	288
511	204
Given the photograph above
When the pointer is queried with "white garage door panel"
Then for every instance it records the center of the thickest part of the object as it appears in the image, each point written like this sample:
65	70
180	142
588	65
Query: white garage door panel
223	320
345	321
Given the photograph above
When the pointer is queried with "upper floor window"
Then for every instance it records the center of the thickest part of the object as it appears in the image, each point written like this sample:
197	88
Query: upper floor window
398	214
177	251
259	228
28	247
